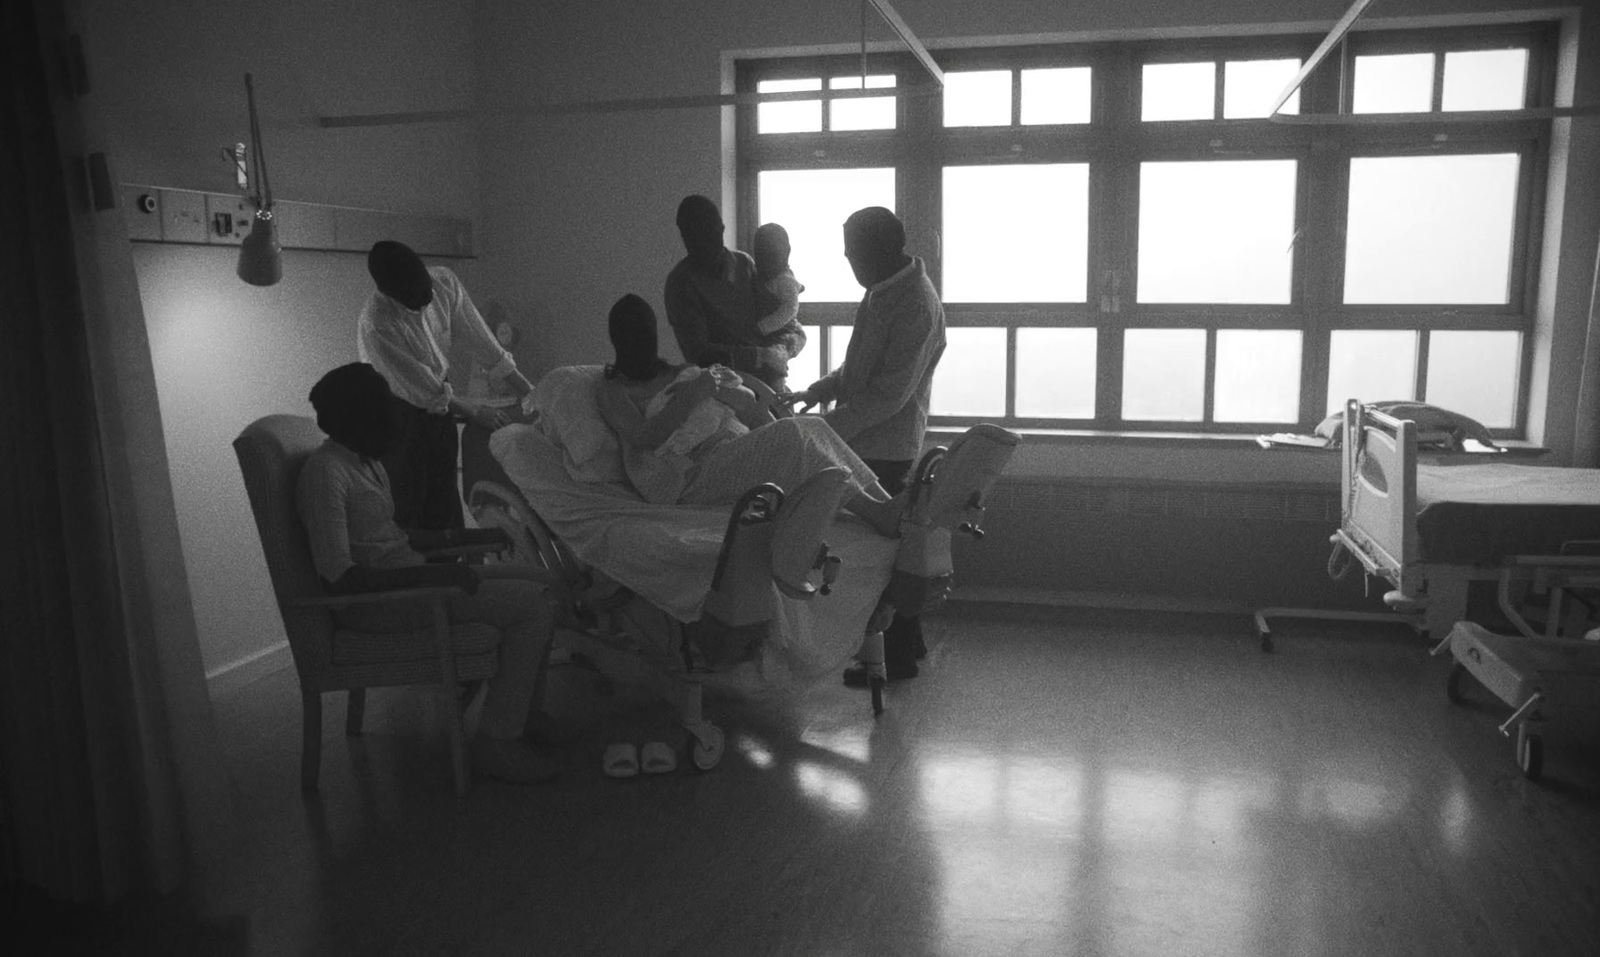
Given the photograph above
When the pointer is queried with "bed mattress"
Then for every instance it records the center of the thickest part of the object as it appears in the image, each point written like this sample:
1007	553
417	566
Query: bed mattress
1479	514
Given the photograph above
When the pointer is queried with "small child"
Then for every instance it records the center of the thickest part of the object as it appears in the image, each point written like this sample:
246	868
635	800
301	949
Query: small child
777	291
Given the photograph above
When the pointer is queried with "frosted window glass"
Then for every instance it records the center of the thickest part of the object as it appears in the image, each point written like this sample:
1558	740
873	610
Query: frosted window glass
1164	375
971	377
1249	87
1216	231
1258	376
790	116
806	367
1056	95
868	113
1475	373
1430	229
813	205
979	98
1394	83
1056	373
1016	233
1485	80
1372	365
838	345
1179	91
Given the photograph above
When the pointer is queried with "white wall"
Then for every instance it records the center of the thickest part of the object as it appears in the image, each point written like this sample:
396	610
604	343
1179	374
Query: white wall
226	353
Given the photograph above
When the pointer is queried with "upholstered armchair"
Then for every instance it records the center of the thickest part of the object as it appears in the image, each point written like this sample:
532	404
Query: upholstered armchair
328	658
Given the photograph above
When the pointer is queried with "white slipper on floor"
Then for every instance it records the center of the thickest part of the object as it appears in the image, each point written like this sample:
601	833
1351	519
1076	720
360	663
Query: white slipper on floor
659	758
621	760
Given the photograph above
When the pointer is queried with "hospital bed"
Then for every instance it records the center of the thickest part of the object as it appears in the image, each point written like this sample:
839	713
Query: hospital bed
1431	531
645	579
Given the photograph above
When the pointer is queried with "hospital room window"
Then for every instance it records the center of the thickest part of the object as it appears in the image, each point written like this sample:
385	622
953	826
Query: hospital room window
971	378
1016	233
1217	231
1056	372
1126	240
1430	229
842	114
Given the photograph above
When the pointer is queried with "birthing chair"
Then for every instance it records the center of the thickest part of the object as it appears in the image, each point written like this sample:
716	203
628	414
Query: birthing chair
328	658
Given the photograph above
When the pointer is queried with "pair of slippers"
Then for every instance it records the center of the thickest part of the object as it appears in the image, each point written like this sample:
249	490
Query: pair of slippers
623	760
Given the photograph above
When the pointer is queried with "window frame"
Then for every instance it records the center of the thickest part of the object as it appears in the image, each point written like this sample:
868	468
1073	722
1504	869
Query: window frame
1115	142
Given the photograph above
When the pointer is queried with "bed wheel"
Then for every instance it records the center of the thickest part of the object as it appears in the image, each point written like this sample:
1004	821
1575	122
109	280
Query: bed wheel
877	695
706	748
1530	755
1452	684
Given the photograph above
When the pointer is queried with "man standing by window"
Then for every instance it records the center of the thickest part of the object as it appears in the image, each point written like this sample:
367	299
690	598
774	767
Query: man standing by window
407	331
883	387
711	302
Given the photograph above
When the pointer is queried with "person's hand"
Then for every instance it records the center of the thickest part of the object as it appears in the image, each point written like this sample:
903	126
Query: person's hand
803	399
464	577
491	418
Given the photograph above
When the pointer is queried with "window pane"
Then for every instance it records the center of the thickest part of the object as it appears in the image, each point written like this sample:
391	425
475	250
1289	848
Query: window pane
1258	375
838	344
1249	87
1396	83
1485	79
1179	91
1430	229
792	116
1372	365
813	205
1475	373
1216	231
869	113
971	377
806	367
1016	233
1164	375
1056	373
1058	95
981	98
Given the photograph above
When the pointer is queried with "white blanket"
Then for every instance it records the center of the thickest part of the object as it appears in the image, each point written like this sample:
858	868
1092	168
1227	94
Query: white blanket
667	554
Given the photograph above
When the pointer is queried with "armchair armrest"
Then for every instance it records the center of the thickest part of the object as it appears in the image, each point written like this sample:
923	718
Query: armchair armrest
374	597
454	551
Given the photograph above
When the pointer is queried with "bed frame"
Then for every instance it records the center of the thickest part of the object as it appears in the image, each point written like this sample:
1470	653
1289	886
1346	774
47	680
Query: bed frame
1378	521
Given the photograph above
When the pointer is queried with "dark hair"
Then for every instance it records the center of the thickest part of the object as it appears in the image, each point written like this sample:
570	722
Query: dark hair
881	228
392	264
344	396
694	209
632	324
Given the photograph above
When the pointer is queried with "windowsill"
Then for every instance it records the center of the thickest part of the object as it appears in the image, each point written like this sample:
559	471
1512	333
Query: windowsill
1184	458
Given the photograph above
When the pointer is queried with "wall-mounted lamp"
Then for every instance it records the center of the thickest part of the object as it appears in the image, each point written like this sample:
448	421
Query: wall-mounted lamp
260	256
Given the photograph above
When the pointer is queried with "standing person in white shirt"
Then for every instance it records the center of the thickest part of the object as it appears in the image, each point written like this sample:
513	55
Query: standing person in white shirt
883	387
407	330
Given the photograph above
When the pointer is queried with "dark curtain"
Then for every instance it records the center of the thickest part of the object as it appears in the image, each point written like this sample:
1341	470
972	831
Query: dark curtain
109	782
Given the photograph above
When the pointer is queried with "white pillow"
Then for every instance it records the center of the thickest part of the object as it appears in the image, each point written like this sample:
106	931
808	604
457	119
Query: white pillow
569	416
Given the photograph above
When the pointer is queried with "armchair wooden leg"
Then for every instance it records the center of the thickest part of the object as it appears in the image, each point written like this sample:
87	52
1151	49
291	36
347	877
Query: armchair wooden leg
355	708
311	742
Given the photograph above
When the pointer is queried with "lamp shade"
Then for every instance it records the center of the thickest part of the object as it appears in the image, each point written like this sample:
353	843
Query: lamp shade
260	257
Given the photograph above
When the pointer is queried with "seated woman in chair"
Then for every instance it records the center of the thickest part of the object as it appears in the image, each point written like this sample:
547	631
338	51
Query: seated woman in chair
344	500
701	437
